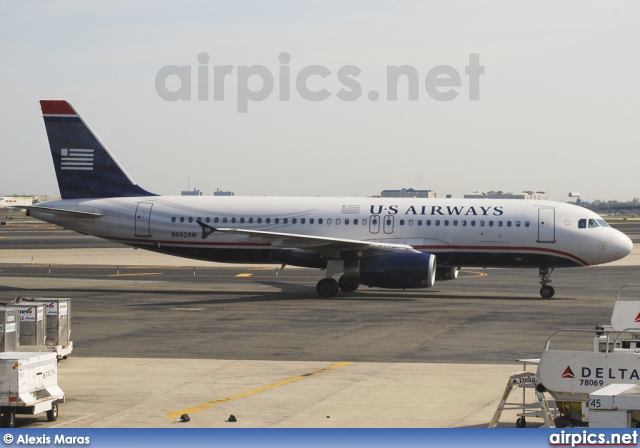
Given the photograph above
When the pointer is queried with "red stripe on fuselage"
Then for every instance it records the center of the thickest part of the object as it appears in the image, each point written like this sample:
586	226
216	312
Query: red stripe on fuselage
505	249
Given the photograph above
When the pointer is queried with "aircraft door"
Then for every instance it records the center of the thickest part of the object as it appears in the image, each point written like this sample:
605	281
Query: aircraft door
546	225
143	219
374	224
388	224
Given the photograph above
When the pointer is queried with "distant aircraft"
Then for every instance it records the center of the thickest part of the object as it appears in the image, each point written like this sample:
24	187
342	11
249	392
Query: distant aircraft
376	242
14	201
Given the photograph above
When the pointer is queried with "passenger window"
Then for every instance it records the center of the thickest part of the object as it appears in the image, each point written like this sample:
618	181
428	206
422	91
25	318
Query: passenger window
455	222
490	223
428	222
526	223
190	219
277	221
346	222
419	222
233	220
259	220
319	220
499	223
286	220
355	222
364	222
517	223
173	219
473	223
437	222
402	222
508	223
481	223
268	220
241	220
208	220
328	221
464	223
337	221
250	220
181	219
446	222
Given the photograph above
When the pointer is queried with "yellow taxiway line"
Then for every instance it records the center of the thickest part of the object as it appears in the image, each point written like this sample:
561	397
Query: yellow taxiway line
200	407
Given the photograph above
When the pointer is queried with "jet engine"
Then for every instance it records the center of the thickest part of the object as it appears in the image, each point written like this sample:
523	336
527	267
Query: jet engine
393	271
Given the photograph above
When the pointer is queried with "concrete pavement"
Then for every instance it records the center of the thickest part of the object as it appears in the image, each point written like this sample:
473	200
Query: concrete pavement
152	392
142	393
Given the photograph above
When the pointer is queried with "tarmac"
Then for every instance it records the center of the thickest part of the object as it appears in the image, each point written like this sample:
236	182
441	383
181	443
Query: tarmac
153	392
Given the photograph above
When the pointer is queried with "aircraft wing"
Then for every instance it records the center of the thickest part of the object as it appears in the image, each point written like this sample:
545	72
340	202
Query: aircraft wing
332	248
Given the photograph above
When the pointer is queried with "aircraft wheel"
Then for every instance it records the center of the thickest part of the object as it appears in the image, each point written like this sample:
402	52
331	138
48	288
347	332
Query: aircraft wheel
546	292
347	286
327	287
521	422
52	415
8	419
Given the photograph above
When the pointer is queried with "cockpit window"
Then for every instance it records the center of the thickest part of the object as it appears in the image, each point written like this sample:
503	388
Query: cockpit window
591	223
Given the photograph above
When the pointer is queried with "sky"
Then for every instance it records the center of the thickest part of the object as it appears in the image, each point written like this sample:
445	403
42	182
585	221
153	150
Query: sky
494	95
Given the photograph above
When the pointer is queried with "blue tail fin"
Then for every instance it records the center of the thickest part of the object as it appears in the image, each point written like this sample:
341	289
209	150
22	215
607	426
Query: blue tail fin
84	167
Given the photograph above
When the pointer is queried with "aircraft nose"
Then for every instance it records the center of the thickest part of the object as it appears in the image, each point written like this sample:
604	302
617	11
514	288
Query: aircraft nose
623	245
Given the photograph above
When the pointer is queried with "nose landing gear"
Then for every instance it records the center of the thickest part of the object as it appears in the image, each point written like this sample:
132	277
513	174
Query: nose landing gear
547	291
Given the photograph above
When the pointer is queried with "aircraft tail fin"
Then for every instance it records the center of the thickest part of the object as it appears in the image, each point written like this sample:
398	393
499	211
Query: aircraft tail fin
84	167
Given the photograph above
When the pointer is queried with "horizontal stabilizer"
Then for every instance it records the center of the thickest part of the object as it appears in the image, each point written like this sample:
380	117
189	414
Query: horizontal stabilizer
58	211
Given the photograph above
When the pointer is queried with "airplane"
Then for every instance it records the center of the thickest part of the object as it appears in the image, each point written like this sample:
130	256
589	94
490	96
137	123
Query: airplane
396	243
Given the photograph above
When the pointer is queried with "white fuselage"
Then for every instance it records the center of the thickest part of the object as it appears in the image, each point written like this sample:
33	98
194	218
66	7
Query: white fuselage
459	232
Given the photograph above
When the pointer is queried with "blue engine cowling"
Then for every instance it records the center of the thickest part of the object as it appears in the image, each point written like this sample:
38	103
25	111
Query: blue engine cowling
393	271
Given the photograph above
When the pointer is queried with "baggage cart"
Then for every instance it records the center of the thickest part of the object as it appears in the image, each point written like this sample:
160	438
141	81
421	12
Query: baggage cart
29	385
58	323
9	328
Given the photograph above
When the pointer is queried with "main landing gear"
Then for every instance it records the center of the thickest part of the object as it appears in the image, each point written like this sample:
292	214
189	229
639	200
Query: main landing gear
328	287
547	291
